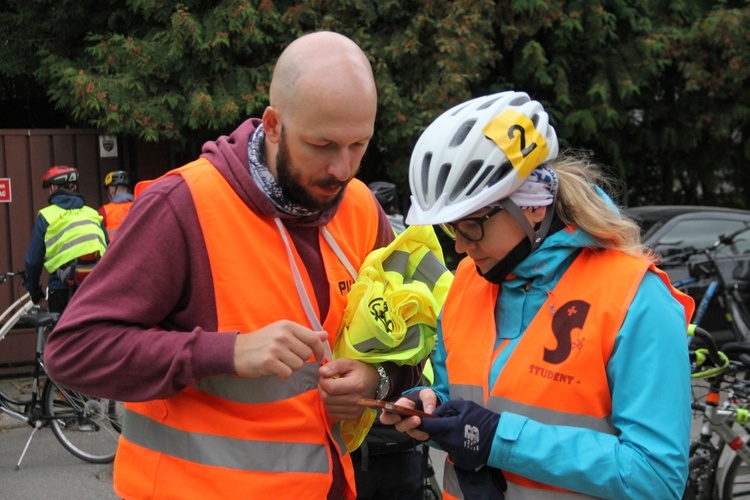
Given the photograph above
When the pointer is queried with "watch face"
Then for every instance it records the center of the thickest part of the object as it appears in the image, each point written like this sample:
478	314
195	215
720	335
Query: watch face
385	383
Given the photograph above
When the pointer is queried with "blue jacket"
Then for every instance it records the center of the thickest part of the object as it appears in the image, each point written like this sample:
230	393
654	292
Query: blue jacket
649	382
34	260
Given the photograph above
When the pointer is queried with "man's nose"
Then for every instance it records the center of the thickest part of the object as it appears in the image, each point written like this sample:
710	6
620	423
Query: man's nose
340	166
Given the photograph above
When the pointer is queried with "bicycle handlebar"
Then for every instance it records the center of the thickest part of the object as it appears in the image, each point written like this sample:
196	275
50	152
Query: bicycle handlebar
687	252
713	351
4	276
729	238
719	360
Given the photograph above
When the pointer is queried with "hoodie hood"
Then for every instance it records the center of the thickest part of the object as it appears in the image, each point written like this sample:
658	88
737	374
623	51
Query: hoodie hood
67	199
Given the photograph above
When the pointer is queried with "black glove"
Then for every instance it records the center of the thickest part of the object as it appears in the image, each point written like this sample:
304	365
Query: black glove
465	431
487	483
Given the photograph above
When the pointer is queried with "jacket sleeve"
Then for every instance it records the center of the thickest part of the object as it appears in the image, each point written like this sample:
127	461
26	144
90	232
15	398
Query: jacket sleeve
649	379
34	260
106	344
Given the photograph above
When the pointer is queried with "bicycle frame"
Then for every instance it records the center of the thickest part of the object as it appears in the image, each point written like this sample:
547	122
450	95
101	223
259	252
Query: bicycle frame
88	427
13	313
705	451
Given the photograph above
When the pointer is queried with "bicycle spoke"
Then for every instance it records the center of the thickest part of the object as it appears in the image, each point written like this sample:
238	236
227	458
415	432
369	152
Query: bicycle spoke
87	427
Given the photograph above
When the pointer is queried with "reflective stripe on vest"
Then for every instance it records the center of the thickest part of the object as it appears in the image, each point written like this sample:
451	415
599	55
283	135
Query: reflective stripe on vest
71	234
232	437
221	451
557	372
115	214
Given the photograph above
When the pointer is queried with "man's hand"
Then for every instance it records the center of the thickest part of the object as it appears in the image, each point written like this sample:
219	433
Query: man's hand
342	383
427	401
279	349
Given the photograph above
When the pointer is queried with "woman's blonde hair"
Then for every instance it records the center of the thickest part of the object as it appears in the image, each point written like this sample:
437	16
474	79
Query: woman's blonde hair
580	204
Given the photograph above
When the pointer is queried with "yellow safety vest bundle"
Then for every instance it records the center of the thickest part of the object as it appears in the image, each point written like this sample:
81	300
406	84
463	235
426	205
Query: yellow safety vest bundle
392	310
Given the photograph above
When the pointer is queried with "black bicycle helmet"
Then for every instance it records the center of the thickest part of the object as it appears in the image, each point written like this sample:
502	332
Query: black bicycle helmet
117	178
60	175
385	192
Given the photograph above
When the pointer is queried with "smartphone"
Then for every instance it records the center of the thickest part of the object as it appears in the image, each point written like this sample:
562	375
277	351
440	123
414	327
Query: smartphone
394	408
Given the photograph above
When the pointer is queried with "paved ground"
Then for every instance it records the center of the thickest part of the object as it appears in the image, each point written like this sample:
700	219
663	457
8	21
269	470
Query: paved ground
49	471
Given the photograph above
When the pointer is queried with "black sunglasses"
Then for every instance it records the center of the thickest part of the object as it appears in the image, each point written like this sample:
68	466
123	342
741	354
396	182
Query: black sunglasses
471	228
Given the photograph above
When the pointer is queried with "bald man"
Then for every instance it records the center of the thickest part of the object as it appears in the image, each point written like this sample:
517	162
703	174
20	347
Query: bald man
220	328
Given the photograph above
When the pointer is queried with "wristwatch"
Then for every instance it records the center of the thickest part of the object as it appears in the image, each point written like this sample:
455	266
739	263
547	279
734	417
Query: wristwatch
385	382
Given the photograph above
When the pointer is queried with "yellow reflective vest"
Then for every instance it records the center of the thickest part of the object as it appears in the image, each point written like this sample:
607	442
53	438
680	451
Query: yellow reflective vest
71	234
392	310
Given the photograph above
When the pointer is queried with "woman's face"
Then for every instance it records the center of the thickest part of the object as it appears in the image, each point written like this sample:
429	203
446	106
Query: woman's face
501	234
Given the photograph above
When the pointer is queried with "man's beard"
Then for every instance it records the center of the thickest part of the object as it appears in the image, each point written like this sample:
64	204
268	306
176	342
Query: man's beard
289	180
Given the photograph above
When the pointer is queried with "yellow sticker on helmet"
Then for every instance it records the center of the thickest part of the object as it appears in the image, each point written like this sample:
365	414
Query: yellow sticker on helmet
521	142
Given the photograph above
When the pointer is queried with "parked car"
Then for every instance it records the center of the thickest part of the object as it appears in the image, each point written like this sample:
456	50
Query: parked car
670	230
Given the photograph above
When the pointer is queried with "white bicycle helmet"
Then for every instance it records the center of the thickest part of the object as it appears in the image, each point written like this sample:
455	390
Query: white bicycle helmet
477	153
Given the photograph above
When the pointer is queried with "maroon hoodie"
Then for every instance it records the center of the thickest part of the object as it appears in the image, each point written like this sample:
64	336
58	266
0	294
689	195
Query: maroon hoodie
157	273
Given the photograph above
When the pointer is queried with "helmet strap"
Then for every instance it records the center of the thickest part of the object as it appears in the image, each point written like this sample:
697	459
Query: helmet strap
536	237
503	268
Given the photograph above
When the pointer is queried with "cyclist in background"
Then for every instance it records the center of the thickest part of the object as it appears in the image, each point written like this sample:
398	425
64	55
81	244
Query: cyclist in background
558	334
118	188
386	194
65	232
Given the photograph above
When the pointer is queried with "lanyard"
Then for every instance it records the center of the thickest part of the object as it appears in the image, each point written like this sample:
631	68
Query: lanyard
301	292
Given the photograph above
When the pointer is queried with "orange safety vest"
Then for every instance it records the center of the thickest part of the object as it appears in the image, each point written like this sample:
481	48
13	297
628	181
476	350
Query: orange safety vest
557	372
233	437
114	213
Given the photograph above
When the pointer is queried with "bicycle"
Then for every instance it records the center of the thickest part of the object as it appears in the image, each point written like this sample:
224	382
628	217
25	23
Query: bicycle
87	427
432	489
722	284
706	474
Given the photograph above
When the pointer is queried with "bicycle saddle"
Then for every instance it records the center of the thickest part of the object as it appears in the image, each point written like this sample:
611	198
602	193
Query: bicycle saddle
41	319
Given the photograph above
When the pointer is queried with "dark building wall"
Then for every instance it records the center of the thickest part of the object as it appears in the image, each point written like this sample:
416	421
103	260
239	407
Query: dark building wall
25	156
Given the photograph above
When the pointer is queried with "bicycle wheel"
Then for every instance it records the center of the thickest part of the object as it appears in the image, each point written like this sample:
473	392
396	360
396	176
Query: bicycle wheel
737	479
87	427
432	489
701	484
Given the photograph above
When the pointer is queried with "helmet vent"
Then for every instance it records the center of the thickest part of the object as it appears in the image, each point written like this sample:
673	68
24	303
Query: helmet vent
487	104
470	172
500	173
461	133
442	176
426	172
519	100
458	109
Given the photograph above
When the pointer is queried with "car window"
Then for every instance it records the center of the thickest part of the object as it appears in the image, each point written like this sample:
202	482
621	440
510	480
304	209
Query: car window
699	233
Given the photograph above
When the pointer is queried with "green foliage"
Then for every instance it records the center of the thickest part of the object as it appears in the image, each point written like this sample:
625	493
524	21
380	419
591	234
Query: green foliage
657	89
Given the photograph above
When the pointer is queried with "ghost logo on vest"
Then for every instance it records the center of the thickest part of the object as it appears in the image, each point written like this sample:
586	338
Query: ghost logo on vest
381	314
571	316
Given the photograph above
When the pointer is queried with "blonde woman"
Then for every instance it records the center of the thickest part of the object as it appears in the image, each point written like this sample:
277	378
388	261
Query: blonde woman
561	368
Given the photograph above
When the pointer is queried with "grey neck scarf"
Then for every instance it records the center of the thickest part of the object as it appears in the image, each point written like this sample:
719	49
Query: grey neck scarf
265	179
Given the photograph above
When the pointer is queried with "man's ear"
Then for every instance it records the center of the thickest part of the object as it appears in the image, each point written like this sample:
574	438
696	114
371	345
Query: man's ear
272	125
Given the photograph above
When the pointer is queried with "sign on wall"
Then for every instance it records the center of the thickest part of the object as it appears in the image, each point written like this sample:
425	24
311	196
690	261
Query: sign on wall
5	196
108	146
